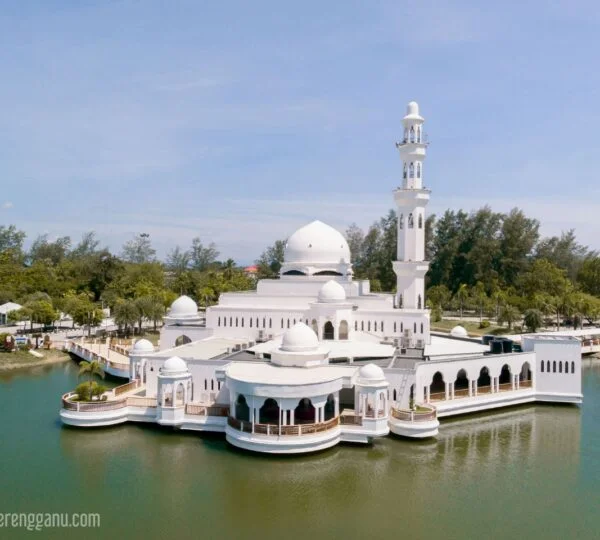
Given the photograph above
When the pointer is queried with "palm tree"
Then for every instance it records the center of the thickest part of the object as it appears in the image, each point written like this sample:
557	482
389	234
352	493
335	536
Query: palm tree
91	368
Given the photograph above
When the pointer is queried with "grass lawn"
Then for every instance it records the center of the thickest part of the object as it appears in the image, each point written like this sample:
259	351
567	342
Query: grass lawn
471	327
24	359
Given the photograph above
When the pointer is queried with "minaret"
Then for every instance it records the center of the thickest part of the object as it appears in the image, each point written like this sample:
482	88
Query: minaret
411	200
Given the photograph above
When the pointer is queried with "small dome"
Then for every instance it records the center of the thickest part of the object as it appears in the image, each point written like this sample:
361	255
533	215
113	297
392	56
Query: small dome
299	338
412	109
183	308
174	365
332	292
371	373
459	331
316	243
142	346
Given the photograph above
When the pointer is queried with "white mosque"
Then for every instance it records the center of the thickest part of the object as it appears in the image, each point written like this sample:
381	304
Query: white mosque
315	358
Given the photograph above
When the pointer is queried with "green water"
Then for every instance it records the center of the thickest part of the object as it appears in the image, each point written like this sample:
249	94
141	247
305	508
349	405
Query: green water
531	472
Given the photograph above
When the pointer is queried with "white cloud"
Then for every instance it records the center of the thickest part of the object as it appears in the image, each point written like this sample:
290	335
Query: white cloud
7	204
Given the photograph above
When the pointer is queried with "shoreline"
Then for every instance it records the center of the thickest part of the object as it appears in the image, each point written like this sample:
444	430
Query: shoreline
36	362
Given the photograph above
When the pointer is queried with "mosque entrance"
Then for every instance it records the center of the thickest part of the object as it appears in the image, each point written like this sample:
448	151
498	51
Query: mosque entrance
269	412
304	413
328	332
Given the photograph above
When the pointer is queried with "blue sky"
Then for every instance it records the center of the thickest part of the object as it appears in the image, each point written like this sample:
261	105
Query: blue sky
240	121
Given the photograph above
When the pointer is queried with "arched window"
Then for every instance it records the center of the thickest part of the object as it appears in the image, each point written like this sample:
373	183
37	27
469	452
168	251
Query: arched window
281	323
566	367
362	326
394	327
368	326
288	323
415	328
400	301
572	367
270	323
230	321
343	331
219	385
401	327
355	326
411	170
421	328
242	322
420	221
560	367
224	321
554	366
419	134
242	411
404	173
419	302
205	384
264	322
395	396
182	340
236	322
328	332
542	366
418	170
412	133
375	323
411	221
212	384
315	327
405	134
219	323
548	366
257	323
250	322
382	327
401	222
294	322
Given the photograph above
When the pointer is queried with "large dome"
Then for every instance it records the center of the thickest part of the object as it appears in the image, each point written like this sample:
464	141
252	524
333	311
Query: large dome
174	366
332	292
299	338
317	243
142	346
459	331
183	308
370	373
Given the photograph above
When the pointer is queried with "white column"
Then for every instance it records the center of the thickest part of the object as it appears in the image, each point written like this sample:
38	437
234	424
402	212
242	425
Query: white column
292	419
336	400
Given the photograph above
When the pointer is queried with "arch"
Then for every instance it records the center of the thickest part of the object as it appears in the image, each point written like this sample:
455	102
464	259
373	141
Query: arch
405	134
525	374
356	326
554	366
257	323
394	327
419	302
411	170
395	395
461	384
420	221
304	413
437	387
404	171
242	322
401	327
180	394
250	322
269	412
505	375
205	384
329	410
294	273
182	340
573	366
242	411
414	328
560	367
362	326
315	327
375	326
400	301
401	221
484	380
219	323
328	331
548	366
264	322
566	367
382	328
542	366
230	321
412	392
270	322
288	323
411	221
412	134
327	273
421	328
419	134
236	322
343	331
212	384
368	326
418	170
294	322
281	323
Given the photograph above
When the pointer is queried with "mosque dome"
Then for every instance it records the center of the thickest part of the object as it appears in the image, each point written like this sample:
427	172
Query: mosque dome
459	331
317	243
299	338
332	292
412	111
370	373
142	346
174	366
183	308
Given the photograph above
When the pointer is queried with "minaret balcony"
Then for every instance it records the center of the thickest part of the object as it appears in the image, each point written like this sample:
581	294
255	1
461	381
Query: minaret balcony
413	140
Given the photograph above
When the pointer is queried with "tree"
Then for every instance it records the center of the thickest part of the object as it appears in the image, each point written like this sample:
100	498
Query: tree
126	313
201	256
355	238
91	369
11	241
53	252
589	275
533	319
83	310
178	261
87	247
270	261
461	296
564	252
139	250
150	308
509	315
438	296
480	298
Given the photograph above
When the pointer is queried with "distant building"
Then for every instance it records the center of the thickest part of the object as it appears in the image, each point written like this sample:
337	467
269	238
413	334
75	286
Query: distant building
5	309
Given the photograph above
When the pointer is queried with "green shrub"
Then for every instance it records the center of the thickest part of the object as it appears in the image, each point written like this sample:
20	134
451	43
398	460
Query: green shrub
83	391
436	314
484	324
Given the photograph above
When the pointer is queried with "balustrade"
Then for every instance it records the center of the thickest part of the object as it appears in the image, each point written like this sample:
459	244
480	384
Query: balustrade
414	416
275	429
